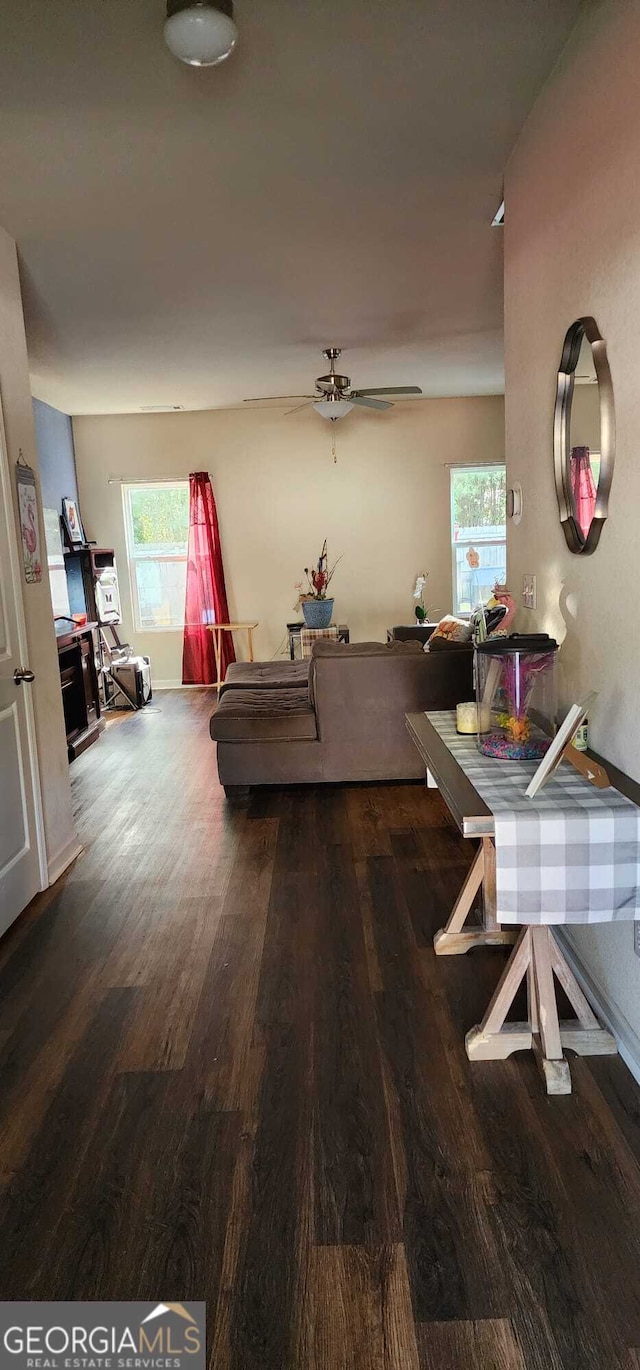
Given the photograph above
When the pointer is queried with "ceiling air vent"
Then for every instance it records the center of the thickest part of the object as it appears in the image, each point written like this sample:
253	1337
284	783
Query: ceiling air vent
160	408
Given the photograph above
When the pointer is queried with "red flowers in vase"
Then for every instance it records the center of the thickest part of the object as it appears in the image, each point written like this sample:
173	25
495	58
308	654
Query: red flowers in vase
319	577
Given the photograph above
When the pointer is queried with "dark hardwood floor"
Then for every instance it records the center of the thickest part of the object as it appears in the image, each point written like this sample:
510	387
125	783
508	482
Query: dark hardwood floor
232	1069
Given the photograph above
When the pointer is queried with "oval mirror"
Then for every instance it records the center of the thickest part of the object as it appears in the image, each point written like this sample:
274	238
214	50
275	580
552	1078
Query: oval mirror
583	435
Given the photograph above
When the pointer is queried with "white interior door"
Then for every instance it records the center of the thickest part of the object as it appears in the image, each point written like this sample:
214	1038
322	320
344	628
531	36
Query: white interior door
21	844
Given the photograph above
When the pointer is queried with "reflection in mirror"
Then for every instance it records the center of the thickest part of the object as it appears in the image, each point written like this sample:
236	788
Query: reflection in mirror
584	435
585	438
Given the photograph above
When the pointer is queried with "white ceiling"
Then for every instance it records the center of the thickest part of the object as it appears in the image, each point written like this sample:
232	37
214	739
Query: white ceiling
194	237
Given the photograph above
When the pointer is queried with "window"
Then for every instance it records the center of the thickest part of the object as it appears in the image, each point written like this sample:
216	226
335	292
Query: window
156	518
478	533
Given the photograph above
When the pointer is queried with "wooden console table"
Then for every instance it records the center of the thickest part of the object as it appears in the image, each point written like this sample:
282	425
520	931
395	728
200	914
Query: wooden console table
474	819
536	954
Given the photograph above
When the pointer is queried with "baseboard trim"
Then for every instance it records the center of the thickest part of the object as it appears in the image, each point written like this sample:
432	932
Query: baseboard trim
63	858
626	1037
177	685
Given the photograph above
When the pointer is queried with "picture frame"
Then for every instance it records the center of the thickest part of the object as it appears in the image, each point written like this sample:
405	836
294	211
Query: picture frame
29	523
74	531
55	562
552	758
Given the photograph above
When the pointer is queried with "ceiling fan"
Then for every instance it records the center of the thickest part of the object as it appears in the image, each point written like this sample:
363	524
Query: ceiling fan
334	397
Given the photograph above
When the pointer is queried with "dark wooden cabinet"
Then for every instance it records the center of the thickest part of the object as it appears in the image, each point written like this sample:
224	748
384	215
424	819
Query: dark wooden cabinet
80	694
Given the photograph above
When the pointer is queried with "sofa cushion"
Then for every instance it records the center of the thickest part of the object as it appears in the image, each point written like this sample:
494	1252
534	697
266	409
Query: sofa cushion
324	647
266	675
263	716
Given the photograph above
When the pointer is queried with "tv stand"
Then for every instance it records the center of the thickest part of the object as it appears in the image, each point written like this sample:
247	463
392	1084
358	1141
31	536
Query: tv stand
77	649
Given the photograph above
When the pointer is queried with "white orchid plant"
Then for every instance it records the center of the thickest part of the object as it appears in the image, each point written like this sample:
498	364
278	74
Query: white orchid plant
418	594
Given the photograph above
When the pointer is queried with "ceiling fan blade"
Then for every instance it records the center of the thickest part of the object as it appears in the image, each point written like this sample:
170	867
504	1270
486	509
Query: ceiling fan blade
390	390
298	407
368	403
262	399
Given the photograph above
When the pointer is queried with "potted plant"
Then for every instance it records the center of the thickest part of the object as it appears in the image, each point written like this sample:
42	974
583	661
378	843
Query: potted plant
418	594
316	607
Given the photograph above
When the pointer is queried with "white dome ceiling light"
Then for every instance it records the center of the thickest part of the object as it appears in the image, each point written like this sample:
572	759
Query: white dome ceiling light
200	34
333	407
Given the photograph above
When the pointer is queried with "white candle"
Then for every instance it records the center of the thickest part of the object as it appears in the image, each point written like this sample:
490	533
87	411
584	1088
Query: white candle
467	718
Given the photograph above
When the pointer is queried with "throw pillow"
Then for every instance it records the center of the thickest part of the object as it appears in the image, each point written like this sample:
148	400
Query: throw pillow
449	631
445	644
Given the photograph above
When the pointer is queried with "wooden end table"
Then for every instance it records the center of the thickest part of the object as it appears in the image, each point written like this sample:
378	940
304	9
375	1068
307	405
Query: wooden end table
295	630
218	629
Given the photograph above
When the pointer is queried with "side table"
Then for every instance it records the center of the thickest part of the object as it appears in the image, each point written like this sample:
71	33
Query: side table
218	629
309	636
338	633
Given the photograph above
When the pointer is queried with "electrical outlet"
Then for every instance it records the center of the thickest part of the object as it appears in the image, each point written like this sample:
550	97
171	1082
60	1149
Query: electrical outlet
636	938
529	592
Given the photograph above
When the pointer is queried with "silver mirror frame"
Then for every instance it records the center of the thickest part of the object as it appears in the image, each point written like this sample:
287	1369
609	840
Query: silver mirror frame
585	327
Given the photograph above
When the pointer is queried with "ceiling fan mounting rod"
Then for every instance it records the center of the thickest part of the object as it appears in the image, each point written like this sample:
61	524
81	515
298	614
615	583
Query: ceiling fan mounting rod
333	383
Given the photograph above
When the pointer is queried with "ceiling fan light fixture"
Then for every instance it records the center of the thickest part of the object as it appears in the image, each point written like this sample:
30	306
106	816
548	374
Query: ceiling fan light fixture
200	34
333	408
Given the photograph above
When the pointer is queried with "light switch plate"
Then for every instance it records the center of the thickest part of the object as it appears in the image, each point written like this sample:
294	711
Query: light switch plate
529	592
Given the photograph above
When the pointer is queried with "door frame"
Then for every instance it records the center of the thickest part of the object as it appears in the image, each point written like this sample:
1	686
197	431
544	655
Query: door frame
15	588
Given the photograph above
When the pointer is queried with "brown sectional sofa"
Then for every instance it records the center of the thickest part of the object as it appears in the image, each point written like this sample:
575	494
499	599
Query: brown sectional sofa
281	723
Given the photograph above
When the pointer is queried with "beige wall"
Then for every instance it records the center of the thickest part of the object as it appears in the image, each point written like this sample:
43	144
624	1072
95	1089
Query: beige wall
572	245
384	505
60	836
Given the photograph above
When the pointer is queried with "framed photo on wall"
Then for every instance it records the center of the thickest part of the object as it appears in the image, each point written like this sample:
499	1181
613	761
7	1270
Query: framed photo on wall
28	506
72	523
55	563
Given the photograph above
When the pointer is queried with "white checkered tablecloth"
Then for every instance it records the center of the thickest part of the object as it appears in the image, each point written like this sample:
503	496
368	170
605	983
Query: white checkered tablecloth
571	855
310	635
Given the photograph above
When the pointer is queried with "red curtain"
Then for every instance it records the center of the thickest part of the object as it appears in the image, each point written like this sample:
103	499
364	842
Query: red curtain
206	600
583	486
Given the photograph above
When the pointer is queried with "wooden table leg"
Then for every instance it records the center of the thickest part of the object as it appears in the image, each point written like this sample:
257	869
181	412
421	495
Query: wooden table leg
494	1039
587	1037
217	649
547	1042
452	940
538	955
532	1001
250	637
489	896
